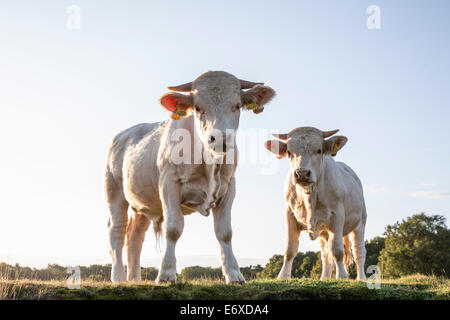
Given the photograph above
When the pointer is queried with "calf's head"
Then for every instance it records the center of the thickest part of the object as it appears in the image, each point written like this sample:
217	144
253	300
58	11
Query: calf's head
215	99
306	147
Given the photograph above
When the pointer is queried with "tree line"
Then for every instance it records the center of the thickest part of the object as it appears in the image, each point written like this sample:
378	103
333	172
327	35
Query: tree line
417	244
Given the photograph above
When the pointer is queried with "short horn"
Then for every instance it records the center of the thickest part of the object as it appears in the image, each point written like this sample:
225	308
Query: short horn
248	84
280	136
187	87
327	134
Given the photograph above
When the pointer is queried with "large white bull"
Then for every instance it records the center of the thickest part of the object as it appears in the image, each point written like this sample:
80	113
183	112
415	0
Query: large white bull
324	197
167	170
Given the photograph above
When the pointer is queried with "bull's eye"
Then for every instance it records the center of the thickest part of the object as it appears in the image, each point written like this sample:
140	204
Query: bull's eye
289	154
237	107
197	108
319	151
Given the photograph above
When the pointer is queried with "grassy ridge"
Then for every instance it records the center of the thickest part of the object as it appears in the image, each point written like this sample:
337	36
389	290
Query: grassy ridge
412	287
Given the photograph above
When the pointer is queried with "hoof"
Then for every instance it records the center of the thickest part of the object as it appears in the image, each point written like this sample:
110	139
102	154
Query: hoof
284	276
166	276
118	275
159	281
235	277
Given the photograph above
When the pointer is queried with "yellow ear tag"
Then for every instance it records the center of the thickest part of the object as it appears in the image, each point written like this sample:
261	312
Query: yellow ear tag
258	110
251	106
180	112
335	149
174	116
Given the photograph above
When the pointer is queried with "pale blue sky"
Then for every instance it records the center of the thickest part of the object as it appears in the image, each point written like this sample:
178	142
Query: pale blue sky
65	93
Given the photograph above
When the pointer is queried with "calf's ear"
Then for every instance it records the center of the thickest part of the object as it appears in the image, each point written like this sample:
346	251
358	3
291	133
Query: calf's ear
256	97
176	103
334	144
277	147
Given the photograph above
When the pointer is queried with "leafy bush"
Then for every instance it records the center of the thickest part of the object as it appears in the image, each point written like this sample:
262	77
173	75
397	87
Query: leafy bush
418	244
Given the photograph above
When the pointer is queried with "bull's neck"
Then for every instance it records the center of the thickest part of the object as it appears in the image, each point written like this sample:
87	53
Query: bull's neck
309	196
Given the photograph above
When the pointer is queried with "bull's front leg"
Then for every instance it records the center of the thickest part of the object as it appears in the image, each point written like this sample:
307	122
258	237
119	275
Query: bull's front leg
327	262
337	250
222	228
172	227
292	241
336	245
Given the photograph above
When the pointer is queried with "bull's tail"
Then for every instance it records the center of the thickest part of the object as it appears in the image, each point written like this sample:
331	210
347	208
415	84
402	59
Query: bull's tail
348	259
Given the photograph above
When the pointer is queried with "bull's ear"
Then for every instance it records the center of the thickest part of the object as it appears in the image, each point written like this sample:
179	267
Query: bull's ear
176	103
277	147
334	144
256	97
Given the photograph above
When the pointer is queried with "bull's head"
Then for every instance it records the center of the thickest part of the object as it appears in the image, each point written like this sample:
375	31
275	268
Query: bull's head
306	147
215	99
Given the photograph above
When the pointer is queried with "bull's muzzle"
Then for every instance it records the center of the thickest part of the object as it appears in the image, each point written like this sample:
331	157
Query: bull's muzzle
303	176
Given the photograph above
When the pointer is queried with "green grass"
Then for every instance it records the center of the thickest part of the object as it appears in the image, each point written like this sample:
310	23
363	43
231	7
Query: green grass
411	287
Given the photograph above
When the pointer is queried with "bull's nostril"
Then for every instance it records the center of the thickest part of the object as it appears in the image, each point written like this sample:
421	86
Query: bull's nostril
302	174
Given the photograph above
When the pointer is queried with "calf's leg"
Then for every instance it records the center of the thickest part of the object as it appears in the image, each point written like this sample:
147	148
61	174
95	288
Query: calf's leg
292	242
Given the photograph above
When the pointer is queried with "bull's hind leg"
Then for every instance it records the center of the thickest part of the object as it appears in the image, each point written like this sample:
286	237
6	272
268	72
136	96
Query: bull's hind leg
137	226
117	225
359	250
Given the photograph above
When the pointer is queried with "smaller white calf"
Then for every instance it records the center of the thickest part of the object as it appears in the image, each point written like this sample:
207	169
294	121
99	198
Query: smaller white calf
324	198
